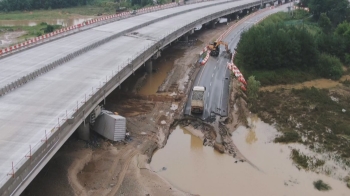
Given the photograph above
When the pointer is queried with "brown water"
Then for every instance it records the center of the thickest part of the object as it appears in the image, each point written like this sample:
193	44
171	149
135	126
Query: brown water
162	67
319	83
63	22
198	169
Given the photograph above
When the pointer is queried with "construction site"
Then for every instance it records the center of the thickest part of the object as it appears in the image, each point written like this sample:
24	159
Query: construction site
172	147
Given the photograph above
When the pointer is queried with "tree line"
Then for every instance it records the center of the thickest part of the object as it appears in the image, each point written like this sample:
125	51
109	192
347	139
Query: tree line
22	5
14	5
319	45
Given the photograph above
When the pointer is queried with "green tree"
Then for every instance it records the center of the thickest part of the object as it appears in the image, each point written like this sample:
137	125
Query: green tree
330	67
336	10
253	88
325	23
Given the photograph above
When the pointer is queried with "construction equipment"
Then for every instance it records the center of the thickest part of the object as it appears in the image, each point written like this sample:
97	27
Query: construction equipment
215	48
197	99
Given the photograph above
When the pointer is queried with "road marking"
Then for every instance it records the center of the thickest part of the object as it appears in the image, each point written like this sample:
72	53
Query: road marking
206	105
214	67
212	75
208	94
210	83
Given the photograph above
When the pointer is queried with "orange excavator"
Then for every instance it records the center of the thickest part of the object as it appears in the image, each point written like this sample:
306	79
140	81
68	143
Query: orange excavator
215	48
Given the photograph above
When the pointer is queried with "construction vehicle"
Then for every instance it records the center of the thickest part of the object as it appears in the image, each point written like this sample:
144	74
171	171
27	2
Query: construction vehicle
215	48
197	100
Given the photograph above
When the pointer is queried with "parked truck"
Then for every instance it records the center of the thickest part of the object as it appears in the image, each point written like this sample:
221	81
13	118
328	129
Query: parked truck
197	100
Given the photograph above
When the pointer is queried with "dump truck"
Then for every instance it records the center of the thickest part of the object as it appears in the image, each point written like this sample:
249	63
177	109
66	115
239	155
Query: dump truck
197	100
215	48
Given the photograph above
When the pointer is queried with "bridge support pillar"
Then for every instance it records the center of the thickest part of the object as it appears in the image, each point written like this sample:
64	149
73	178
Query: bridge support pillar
149	66
185	38
84	131
157	55
212	25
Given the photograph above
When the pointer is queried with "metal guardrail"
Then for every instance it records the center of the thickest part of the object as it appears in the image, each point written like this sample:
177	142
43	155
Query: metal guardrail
25	170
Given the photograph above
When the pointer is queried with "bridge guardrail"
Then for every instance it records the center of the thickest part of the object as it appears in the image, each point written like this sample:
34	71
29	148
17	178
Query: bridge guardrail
23	80
85	25
71	119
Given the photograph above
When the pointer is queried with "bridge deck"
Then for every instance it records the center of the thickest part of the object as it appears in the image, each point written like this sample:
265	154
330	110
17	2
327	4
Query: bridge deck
25	62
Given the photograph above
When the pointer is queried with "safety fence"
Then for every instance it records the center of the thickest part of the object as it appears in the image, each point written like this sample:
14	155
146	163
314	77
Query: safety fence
21	172
84	25
88	24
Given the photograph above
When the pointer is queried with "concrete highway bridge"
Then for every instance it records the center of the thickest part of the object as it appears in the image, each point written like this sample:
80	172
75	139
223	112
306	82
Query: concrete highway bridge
48	90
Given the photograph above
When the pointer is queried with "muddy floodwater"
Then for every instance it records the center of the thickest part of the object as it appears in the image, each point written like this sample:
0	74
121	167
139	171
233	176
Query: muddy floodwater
156	78
198	169
63	22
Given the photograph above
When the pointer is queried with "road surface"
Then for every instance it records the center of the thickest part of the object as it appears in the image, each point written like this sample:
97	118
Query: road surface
215	76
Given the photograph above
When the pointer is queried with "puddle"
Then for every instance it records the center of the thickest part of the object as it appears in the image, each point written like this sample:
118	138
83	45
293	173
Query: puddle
63	22
199	169
319	83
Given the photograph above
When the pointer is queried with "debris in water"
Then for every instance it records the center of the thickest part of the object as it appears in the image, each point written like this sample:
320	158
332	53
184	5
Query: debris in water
163	122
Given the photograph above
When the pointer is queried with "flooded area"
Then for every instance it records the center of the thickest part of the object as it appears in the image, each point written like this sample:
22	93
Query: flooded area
63	22
319	83
198	169
161	68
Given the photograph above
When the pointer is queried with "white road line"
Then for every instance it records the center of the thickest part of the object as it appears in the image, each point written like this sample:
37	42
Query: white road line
212	75
206	105
208	94
214	67
210	83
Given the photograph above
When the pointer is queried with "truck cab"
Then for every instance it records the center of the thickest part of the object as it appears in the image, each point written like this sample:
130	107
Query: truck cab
197	99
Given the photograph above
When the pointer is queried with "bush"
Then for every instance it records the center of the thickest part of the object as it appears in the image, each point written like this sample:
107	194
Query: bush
288	137
299	158
330	67
321	186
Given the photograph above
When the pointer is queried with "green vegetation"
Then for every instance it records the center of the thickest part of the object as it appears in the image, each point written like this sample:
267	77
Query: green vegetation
83	7
291	49
253	88
312	114
299	158
32	31
289	136
321	186
337	11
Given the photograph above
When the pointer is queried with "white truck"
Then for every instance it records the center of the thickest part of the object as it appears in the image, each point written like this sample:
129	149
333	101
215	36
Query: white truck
197	100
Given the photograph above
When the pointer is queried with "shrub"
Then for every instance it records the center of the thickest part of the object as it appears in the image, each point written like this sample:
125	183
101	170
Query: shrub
321	186
330	67
299	158
288	137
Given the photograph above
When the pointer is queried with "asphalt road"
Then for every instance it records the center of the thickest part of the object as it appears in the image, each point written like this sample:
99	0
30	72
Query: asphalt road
215	76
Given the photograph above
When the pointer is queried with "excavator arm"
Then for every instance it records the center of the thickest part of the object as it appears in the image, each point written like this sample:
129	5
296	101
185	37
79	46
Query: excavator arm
214	47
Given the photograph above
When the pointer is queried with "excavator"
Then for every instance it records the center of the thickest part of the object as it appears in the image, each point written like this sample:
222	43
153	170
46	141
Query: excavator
215	48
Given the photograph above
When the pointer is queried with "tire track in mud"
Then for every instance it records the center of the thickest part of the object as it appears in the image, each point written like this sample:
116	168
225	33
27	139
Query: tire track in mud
123	172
